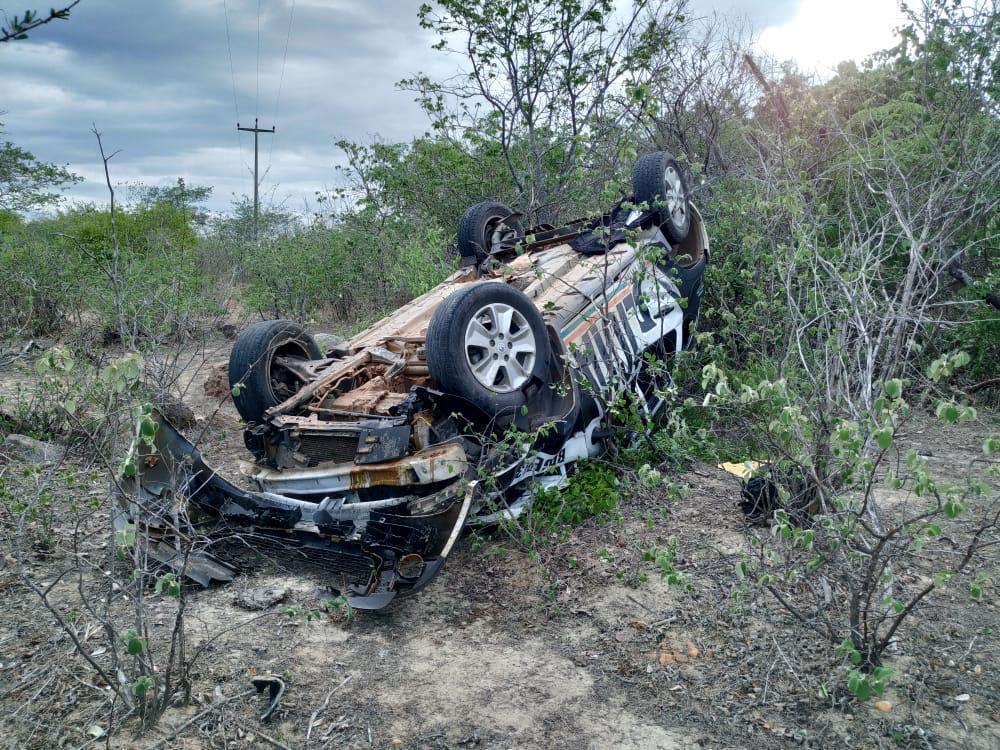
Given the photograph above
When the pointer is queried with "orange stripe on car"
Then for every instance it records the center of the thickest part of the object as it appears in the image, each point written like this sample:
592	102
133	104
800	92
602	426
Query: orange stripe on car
589	321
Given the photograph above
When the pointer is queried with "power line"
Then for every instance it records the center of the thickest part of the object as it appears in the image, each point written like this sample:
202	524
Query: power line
281	81
256	104
236	104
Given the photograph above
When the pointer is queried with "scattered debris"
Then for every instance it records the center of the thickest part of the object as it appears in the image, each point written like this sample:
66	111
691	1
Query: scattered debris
743	470
276	688
314	719
261	597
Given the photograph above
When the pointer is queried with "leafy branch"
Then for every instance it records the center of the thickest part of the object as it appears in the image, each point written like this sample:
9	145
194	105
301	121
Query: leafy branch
19	26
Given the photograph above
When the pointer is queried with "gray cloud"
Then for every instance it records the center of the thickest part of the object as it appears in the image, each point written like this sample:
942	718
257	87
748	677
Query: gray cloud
155	78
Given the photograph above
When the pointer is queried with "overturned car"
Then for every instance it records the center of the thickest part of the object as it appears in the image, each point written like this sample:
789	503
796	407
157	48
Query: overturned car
369	459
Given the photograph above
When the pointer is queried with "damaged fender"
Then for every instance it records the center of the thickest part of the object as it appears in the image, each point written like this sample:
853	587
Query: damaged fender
370	551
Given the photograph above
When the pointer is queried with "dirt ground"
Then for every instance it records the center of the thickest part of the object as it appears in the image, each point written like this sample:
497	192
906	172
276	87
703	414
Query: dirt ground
572	643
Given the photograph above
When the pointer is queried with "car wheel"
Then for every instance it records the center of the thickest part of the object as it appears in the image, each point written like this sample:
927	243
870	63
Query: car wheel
657	181
257	377
487	343
483	227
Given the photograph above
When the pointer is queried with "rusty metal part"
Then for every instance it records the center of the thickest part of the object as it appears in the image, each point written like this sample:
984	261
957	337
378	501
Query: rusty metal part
435	464
377	445
410	566
305	370
327	378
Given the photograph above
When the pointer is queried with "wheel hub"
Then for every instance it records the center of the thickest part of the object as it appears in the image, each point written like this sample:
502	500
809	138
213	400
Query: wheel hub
673	190
500	347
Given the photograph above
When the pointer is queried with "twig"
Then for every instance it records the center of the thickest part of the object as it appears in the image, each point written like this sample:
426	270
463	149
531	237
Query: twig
20	30
787	662
268	739
326	702
201	714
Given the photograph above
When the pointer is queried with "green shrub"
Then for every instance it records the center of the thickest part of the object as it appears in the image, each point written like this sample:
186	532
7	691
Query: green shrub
149	285
356	271
591	491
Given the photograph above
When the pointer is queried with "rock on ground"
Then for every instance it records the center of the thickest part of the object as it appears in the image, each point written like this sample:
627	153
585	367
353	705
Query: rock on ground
261	597
30	450
178	413
217	382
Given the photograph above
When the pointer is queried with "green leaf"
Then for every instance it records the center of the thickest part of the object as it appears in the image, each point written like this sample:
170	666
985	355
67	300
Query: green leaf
893	388
991	445
142	686
132	369
168	585
134	644
854	681
953	507
947	412
884	438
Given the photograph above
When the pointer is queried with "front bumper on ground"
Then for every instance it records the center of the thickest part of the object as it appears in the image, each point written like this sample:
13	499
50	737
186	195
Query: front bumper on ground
206	528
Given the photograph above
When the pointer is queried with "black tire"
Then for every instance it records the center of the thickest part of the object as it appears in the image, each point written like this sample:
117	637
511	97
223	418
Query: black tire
262	383
479	224
650	185
448	355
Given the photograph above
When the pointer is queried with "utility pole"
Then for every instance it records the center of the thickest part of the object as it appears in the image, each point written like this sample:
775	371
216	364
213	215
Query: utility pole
256	180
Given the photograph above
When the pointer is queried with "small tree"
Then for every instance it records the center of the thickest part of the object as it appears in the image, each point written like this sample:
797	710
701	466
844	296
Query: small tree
27	184
542	80
874	183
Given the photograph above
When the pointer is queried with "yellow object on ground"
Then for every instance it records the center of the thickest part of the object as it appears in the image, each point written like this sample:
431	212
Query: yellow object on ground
743	470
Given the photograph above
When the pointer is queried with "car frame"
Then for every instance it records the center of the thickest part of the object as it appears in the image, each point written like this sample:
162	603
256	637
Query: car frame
372	456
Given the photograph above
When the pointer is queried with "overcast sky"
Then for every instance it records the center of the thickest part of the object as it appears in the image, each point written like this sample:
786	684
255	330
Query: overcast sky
155	77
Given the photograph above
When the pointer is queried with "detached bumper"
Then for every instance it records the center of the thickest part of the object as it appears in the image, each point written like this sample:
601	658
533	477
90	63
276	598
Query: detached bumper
370	552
